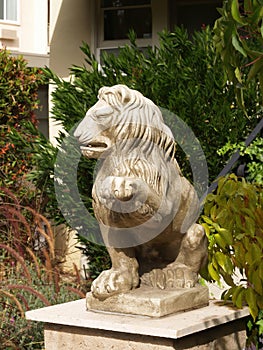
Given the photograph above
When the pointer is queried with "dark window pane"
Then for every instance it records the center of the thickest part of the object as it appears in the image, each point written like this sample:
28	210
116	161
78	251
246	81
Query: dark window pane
117	23
118	3
1	9
194	16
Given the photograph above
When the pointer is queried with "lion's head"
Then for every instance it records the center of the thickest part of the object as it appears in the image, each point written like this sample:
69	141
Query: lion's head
120	114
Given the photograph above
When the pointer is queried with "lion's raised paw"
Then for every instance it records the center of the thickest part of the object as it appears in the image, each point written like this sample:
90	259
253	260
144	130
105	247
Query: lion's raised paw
124	193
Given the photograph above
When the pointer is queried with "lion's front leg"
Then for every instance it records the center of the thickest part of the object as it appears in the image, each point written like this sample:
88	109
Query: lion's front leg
122	277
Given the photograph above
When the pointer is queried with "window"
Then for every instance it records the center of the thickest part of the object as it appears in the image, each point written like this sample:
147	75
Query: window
118	17
123	15
8	10
194	14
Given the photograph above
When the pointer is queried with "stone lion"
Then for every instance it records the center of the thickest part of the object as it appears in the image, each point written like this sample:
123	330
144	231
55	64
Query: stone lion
146	209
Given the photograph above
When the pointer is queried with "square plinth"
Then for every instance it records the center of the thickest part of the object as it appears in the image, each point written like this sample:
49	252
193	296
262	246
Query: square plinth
153	302
70	326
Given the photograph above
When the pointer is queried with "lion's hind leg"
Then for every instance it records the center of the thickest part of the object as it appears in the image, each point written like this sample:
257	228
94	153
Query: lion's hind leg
183	272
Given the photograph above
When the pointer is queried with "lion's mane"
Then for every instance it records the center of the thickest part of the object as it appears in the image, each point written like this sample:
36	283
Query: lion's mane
140	136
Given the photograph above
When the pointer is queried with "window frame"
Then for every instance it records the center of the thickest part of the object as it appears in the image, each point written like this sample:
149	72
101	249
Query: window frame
5	19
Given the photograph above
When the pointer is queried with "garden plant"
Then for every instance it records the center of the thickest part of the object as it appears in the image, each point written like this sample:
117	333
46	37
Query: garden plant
30	275
235	241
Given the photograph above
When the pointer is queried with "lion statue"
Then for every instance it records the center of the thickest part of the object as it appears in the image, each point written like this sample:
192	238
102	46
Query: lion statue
145	208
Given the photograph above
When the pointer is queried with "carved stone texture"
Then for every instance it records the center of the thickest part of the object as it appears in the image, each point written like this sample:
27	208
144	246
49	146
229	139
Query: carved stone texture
146	209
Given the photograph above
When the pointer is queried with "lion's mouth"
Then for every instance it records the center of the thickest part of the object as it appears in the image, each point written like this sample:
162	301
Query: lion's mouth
94	145
94	149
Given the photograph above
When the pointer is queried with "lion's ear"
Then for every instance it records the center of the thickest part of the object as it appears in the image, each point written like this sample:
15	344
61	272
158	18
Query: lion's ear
122	93
124	97
117	95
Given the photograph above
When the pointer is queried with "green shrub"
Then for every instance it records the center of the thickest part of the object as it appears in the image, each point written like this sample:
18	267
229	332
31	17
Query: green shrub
233	221
18	125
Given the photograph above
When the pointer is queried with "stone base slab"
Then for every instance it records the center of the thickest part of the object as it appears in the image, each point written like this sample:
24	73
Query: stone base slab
70	326
153	302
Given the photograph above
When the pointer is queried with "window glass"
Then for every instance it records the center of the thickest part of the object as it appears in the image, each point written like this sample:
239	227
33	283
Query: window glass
193	15
1	9
119	3
8	10
117	23
11	10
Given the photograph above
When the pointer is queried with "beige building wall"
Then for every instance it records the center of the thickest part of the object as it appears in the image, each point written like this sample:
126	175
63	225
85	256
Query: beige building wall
70	25
29	34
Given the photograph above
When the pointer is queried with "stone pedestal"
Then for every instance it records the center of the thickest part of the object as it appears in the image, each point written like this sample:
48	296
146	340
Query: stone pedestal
148	301
70	326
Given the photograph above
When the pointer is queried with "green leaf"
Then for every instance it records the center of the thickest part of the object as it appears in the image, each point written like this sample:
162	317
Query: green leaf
252	302
213	212
229	188
207	220
254	253
213	273
238	75
220	241
260	326
228	278
260	271
235	12
237	296
237	45
248	212
250	225
207	229
240	254
226	235
224	261
256	282
221	183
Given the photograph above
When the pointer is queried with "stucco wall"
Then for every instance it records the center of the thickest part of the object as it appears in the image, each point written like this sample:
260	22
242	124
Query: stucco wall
70	25
29	35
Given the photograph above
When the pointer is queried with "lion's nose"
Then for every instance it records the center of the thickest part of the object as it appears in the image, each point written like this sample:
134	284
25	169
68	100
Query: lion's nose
77	133
81	134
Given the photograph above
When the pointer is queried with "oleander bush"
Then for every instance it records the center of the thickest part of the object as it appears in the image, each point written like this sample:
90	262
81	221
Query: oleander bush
18	125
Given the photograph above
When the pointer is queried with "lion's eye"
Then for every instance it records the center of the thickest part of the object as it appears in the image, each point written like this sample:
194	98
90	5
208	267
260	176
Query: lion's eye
100	111
103	111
